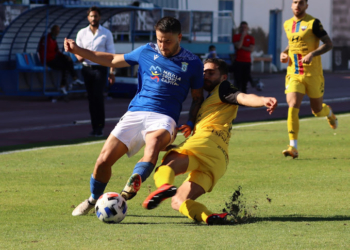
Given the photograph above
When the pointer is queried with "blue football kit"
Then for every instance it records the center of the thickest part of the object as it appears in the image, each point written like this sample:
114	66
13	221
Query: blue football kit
164	82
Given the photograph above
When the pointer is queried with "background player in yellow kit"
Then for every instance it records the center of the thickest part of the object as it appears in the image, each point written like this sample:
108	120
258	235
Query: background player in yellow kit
304	73
204	155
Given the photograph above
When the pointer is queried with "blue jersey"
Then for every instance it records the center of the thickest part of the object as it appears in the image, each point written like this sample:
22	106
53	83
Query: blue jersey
164	82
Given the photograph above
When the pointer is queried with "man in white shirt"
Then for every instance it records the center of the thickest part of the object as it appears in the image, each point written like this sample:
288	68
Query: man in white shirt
96	38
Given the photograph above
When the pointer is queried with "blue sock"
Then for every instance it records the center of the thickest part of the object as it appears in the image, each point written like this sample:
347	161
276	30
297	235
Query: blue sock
144	169
97	188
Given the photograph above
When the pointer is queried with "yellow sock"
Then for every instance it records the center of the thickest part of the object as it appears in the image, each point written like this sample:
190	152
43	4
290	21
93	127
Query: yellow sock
195	210
293	123
324	112
164	175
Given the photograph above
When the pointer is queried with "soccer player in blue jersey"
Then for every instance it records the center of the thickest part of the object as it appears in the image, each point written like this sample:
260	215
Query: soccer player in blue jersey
166	74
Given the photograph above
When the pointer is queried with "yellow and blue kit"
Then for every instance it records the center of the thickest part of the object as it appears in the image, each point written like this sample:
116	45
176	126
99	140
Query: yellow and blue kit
208	147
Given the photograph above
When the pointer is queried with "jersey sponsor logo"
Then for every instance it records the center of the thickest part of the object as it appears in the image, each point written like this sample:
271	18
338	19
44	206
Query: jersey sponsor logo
164	76
156	72
184	66
155	57
295	39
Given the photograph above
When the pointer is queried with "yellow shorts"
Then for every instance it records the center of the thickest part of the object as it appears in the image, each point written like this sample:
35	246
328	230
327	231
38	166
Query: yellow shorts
207	161
313	86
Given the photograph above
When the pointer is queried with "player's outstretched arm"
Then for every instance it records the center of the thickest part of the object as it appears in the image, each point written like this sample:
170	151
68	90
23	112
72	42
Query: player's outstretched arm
255	101
102	58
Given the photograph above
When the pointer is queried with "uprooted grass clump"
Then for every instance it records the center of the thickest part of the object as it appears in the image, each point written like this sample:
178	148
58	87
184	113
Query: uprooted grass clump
238	208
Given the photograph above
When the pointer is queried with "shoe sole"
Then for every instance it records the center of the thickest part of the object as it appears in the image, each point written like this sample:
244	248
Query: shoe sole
155	198
287	153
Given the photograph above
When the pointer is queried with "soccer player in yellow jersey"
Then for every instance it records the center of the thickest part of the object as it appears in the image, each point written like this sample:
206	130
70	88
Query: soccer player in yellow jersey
204	155
304	72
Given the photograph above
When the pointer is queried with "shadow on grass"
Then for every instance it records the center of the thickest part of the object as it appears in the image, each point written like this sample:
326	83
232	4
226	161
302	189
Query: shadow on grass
300	218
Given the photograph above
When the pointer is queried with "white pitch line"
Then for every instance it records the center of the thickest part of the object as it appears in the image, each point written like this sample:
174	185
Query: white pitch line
101	141
80	122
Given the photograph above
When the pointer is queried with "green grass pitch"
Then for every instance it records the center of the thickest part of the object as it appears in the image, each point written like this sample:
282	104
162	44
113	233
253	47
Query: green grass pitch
300	204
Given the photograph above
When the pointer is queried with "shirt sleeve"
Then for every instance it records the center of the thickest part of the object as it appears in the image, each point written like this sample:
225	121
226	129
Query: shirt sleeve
317	29
78	39
110	43
133	57
197	79
228	93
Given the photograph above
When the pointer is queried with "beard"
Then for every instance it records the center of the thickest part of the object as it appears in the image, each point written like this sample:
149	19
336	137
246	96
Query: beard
171	52
210	85
94	24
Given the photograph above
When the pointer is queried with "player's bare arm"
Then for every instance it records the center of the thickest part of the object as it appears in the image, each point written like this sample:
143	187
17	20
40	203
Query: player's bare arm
284	55
325	47
255	101
197	100
102	58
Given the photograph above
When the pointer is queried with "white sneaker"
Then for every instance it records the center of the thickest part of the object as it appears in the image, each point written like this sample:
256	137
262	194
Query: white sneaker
64	91
83	208
78	81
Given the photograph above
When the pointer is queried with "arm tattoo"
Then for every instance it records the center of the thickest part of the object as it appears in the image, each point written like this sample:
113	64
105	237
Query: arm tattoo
325	47
197	99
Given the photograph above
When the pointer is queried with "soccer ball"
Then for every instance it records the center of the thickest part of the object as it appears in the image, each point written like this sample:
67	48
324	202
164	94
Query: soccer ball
111	208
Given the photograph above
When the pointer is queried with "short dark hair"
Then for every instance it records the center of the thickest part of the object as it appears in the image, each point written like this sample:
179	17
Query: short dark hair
168	24
223	68
211	47
94	8
243	22
54	27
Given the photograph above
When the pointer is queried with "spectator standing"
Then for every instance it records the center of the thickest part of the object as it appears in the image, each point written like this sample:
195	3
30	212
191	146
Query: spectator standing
212	52
55	59
96	38
244	45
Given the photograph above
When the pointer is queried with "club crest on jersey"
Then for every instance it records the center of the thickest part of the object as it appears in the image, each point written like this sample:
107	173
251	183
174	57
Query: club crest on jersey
156	72
303	28
184	66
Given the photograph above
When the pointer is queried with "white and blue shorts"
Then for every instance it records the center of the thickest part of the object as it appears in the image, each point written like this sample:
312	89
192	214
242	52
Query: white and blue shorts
133	127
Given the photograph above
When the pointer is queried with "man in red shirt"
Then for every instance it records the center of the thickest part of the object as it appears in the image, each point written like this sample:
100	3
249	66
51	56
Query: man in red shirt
244	45
55	59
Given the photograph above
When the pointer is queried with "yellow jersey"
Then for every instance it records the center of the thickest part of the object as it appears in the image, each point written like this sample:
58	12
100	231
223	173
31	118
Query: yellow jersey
304	37
215	117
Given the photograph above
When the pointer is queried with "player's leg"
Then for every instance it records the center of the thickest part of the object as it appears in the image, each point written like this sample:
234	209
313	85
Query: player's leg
112	150
159	132
295	91
155	142
184	202
320	109
294	100
173	164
